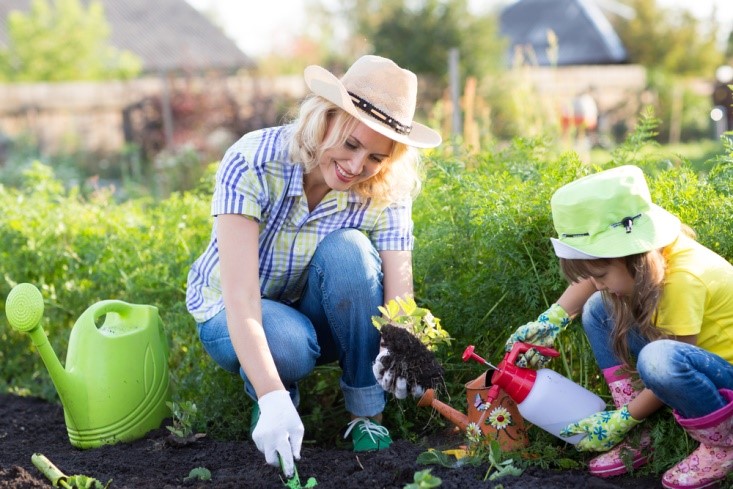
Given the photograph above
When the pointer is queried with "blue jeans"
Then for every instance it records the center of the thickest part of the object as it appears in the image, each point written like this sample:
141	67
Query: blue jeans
683	376
331	322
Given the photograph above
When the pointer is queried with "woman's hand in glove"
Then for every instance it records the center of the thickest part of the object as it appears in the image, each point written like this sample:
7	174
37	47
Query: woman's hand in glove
279	430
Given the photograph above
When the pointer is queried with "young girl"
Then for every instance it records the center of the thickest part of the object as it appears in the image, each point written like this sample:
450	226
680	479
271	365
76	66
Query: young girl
653	301
312	232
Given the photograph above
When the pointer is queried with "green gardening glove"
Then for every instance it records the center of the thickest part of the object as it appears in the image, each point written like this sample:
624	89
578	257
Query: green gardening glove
604	430
541	333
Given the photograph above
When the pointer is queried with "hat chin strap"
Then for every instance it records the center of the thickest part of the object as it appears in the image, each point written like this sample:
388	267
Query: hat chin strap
382	117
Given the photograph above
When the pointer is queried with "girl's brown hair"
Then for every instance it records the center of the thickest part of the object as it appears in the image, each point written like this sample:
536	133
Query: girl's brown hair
633	312
399	175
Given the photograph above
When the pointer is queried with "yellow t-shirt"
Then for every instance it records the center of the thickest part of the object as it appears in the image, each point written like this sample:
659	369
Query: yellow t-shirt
698	296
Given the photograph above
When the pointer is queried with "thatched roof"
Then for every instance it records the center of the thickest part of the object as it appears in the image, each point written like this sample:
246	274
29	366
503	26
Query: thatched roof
584	34
168	35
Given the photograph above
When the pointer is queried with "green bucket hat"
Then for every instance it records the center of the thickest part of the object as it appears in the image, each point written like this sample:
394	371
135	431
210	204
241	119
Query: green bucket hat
609	214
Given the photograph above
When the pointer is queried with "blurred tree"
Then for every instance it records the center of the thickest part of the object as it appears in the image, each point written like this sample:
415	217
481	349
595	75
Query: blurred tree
672	40
417	34
62	41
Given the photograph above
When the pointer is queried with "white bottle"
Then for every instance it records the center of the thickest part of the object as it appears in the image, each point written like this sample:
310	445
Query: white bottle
555	401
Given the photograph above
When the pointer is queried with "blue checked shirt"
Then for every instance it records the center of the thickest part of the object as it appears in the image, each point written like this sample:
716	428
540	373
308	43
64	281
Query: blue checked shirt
256	178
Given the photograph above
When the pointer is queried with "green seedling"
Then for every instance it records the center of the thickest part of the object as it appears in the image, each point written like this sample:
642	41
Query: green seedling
294	481
423	479
183	414
498	465
403	311
59	479
198	474
182	430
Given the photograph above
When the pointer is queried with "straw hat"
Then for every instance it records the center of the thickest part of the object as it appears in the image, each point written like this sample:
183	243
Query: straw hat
609	215
378	93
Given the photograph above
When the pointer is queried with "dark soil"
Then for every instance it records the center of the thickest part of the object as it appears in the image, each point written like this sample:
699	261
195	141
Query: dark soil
31	425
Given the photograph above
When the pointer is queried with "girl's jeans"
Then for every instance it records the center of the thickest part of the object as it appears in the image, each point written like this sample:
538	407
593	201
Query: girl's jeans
331	321
683	376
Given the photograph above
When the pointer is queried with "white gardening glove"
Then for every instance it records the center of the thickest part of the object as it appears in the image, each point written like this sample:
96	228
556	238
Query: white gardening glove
279	430
386	377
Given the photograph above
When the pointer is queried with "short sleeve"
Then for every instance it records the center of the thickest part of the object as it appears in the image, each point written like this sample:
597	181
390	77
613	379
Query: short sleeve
240	188
394	227
682	305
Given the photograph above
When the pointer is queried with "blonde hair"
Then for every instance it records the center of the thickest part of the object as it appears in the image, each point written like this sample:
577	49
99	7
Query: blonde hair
637	310
399	174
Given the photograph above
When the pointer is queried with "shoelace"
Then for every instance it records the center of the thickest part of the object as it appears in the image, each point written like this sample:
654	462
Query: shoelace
368	427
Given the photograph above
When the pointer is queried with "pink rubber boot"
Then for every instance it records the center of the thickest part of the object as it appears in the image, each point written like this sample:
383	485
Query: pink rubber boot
610	463
713	459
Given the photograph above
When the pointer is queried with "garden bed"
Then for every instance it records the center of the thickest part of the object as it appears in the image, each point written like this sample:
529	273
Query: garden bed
30	425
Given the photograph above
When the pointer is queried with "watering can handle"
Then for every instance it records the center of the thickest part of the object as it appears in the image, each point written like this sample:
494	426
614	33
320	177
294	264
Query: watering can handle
520	347
104	307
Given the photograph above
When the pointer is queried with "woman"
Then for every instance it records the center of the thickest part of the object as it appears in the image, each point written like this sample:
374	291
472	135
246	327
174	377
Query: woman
654	303
312	232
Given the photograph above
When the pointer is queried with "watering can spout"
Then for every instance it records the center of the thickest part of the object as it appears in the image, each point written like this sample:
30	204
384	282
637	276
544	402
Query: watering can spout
24	310
453	415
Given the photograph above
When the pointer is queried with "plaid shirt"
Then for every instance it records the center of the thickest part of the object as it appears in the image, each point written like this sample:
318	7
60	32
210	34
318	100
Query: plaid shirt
256	178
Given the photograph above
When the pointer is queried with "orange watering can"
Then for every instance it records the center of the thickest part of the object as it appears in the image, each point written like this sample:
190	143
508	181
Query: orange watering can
489	408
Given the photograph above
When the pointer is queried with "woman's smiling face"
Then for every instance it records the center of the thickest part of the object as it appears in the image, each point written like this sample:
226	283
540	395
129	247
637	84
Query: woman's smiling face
359	158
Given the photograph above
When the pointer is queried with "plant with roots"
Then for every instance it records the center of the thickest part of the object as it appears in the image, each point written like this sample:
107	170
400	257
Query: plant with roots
406	363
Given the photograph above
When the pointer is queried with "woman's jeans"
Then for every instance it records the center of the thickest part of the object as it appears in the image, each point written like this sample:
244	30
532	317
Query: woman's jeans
683	376
331	321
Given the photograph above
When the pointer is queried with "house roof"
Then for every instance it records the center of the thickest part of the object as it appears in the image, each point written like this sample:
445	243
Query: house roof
167	35
584	34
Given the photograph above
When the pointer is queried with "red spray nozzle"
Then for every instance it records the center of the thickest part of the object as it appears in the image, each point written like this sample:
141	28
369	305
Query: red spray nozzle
468	354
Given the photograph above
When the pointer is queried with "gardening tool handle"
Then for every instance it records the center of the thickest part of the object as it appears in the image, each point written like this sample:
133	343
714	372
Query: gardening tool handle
520	347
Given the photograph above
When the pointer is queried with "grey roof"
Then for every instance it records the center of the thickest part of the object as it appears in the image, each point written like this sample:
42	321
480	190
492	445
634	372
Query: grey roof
165	34
585	36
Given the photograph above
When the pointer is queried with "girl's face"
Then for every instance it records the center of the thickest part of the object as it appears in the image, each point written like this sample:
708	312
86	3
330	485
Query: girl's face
614	278
359	158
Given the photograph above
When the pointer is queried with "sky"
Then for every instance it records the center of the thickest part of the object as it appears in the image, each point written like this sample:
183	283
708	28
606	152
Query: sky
260	27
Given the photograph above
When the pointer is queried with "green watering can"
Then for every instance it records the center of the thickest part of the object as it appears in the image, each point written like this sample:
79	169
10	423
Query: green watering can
115	384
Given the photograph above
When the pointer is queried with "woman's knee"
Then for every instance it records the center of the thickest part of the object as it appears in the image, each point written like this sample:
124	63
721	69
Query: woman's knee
349	252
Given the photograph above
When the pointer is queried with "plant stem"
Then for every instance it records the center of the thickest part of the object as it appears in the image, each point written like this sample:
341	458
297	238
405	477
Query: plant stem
48	469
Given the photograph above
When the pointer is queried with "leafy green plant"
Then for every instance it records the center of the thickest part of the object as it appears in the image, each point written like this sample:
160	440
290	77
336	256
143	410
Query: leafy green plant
404	311
182	414
423	479
499	464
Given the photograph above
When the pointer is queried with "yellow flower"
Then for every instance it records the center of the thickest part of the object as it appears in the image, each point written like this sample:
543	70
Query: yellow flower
500	418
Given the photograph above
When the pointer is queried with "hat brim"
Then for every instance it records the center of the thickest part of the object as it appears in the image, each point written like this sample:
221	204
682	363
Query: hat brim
324	84
653	230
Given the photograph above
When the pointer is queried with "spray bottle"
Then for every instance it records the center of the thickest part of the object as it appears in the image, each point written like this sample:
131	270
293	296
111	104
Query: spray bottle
544	397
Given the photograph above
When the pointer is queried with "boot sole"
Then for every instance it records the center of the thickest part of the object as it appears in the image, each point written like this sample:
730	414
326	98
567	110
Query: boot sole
619	469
